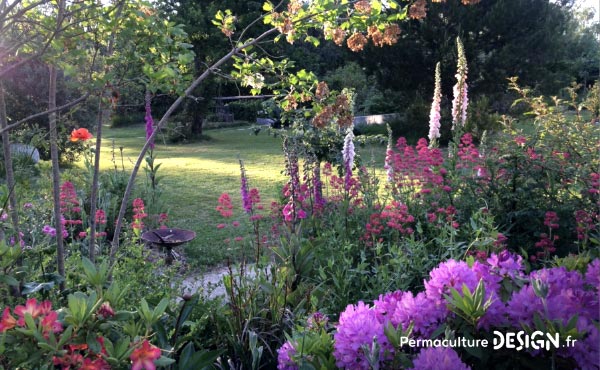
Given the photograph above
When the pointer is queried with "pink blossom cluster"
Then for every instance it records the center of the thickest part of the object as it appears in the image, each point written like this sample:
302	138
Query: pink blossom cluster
225	208
395	216
294	191
139	214
586	222
469	157
69	204
434	115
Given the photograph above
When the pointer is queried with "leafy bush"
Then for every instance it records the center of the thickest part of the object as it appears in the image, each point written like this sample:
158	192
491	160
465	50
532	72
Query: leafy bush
178	131
245	110
127	119
370	130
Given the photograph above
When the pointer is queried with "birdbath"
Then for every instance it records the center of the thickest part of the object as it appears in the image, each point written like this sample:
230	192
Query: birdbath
167	239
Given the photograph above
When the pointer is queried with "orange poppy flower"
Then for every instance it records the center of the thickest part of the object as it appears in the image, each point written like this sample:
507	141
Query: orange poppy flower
80	134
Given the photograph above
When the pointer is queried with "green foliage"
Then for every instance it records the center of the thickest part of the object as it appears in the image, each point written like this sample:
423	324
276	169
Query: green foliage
470	306
481	118
411	123
370	130
177	131
121	120
245	110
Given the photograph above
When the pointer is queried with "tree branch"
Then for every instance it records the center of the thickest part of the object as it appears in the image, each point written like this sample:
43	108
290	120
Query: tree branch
44	113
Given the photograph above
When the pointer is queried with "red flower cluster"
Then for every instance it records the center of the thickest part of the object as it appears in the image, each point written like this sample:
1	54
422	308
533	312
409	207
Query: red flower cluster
586	222
417	168
163	218
79	356
100	220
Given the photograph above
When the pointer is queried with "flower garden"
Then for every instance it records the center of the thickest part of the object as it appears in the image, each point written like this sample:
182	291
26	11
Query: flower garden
453	247
468	249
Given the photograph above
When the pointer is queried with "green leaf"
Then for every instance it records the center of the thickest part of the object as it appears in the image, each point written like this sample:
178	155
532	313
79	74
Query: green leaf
185	356
8	280
65	336
268	7
93	343
122	347
164	361
88	266
188	307
160	308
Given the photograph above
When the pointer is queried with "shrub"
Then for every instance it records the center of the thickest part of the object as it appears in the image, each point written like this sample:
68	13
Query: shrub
127	118
177	131
245	110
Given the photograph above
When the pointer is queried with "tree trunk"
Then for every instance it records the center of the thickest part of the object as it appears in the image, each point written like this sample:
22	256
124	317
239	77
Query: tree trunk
102	114
196	119
60	249
95	178
8	164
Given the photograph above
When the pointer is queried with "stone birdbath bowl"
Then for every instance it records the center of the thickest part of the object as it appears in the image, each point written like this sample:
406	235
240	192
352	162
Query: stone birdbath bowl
168	238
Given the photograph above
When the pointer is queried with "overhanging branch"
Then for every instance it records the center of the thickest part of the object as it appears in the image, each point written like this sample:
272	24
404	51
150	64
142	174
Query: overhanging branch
41	114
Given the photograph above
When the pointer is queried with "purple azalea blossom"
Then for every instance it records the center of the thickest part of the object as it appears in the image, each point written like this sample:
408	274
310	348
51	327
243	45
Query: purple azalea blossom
506	264
284	357
358	326
49	230
438	358
425	313
592	275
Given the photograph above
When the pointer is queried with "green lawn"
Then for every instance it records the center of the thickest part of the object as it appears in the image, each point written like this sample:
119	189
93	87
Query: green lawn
196	174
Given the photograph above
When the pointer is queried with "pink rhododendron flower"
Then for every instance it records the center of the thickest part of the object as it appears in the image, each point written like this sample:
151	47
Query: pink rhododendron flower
143	357
8	321
33	308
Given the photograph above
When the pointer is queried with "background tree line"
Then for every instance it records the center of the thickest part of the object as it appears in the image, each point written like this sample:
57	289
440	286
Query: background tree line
547	44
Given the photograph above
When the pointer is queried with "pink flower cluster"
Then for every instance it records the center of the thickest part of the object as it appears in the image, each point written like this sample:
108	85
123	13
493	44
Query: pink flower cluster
225	207
586	222
139	214
546	244
69	204
100	219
